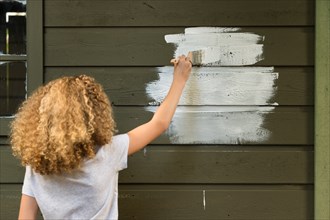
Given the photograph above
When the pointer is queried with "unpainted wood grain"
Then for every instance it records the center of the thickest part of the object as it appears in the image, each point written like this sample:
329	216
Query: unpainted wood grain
221	165
146	46
127	85
179	13
10	196
215	202
322	111
258	202
202	164
4	140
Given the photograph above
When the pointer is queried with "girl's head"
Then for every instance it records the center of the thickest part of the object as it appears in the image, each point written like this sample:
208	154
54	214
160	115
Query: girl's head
61	123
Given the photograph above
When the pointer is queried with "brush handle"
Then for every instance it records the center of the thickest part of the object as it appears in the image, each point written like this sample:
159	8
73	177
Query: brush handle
189	57
174	61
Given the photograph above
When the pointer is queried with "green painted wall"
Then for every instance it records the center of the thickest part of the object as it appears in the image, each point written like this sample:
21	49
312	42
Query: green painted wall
121	42
322	111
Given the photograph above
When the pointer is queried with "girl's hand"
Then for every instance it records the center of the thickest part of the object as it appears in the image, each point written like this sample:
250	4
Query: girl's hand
182	67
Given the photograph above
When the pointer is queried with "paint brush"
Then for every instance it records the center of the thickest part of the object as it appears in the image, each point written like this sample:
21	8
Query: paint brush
199	57
193	56
189	56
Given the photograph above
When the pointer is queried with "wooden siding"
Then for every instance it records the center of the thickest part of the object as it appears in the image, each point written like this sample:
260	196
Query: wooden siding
126	85
121	43
202	165
187	202
146	46
322	112
221	202
179	13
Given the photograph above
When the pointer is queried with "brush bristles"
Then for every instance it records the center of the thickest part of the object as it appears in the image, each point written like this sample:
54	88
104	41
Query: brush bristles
197	57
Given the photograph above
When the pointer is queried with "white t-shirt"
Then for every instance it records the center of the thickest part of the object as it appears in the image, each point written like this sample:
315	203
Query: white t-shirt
90	192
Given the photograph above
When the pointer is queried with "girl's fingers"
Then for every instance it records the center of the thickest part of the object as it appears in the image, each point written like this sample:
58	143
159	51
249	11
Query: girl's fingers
174	61
189	60
182	58
190	55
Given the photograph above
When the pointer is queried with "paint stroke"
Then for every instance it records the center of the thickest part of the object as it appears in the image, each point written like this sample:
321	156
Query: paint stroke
198	30
219	86
204	200
219	46
224	101
218	125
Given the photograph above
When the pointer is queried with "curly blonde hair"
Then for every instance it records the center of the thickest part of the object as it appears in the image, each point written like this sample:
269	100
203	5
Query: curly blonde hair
61	123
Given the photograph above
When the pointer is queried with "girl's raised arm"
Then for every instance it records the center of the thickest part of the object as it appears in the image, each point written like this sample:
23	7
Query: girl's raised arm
144	134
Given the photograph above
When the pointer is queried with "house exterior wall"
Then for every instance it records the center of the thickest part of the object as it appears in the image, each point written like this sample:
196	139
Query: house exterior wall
122	45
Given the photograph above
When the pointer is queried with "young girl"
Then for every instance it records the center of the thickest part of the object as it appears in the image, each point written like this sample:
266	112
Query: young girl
63	134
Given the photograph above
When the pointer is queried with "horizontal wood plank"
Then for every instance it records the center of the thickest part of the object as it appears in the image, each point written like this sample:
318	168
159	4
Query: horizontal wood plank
280	125
179	13
127	85
4	140
202	164
209	125
220	165
147	47
215	202
196	202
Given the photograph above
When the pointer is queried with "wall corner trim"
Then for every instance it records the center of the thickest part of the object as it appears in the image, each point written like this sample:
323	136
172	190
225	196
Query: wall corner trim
322	110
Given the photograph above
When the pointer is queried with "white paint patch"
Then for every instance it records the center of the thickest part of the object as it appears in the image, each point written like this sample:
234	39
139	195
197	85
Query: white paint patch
204	200
218	125
219	46
219	86
223	102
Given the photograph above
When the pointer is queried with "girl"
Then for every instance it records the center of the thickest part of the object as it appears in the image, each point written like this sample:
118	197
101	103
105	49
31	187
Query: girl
63	134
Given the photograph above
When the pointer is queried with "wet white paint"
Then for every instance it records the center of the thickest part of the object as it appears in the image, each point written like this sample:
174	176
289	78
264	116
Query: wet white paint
219	86
224	101
204	200
218	124
219	46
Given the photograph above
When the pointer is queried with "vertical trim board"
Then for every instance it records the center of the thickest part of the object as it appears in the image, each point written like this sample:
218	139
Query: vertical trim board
322	111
